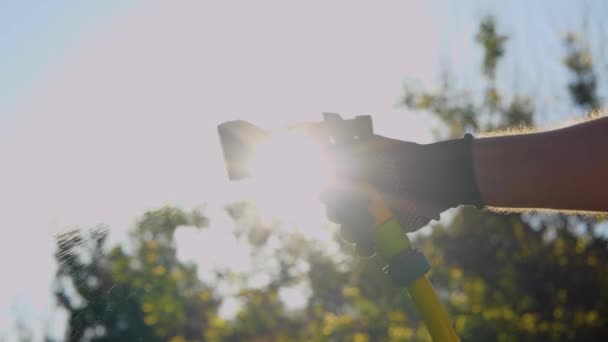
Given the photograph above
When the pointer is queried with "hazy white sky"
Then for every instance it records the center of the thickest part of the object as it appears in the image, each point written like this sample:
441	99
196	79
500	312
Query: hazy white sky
107	110
126	119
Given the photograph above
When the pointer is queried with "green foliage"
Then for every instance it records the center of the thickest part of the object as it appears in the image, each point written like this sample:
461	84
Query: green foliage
517	281
578	60
455	109
504	279
493	45
142	294
458	111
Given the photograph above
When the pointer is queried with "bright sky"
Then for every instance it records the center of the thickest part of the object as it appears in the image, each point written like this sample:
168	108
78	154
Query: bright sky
107	109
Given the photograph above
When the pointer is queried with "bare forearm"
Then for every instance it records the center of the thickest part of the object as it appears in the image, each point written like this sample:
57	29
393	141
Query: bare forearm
561	169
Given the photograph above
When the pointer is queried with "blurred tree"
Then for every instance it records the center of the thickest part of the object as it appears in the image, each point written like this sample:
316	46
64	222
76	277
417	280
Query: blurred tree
456	109
510	279
493	46
144	294
517	280
578	60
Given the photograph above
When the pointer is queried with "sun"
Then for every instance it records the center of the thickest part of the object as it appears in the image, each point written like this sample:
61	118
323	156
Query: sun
289	171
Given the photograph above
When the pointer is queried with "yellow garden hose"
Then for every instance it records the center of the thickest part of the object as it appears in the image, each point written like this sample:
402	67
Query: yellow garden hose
391	241
432	311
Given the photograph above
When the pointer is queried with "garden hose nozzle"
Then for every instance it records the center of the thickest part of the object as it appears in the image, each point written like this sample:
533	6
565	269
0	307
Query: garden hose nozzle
404	265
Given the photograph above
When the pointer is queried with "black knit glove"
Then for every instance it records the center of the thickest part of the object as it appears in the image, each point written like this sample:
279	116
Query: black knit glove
418	182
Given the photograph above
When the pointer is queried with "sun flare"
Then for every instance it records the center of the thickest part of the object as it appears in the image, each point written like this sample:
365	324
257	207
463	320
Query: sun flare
289	171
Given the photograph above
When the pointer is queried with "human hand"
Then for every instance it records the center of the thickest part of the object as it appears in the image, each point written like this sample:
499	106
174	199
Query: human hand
417	182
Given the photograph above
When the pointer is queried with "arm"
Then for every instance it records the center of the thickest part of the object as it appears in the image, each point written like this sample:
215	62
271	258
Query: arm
561	169
564	169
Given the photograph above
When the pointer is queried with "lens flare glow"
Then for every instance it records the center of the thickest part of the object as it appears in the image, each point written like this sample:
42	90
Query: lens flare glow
289	171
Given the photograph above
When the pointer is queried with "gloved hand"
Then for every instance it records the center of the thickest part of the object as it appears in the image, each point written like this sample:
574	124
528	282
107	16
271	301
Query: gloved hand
416	181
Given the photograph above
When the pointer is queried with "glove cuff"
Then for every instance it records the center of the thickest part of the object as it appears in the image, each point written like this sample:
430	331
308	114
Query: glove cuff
451	162
473	196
